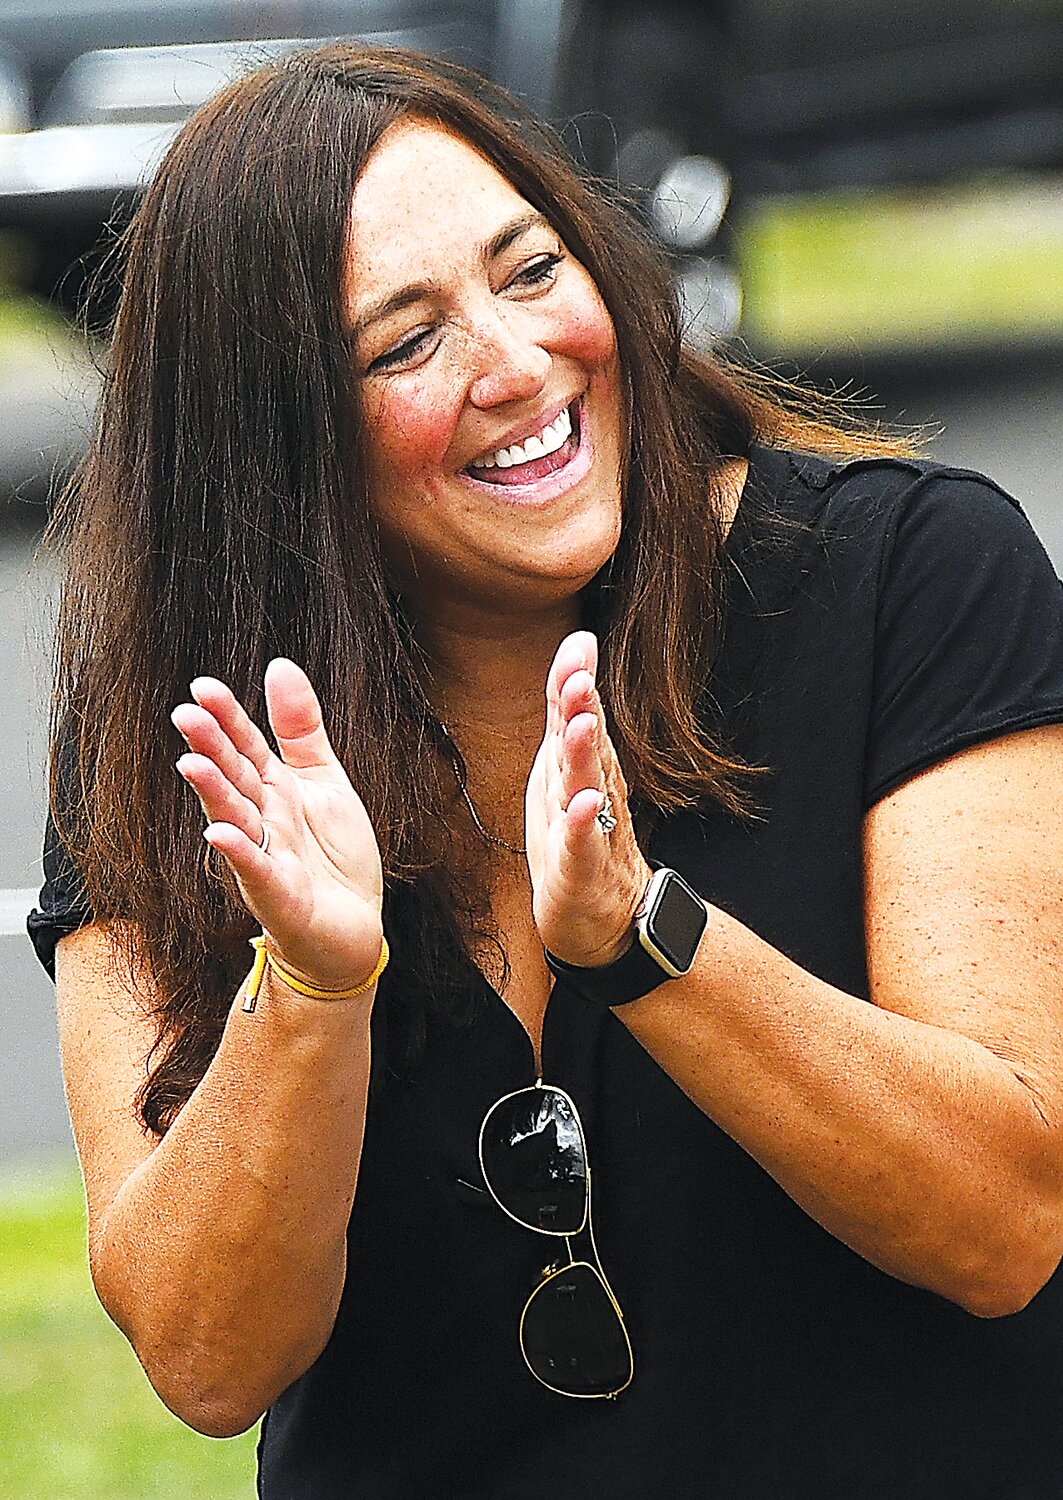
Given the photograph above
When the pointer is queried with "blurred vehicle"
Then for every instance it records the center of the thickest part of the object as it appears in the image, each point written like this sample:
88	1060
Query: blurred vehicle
92	91
680	102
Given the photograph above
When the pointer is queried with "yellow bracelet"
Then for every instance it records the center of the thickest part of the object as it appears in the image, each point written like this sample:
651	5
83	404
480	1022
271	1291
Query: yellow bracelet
265	959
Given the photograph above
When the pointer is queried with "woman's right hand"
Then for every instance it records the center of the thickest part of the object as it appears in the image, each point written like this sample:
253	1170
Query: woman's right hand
317	888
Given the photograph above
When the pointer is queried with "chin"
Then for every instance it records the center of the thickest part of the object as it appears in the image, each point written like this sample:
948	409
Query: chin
571	568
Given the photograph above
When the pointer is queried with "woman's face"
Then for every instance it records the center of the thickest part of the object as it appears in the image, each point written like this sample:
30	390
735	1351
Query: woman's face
489	379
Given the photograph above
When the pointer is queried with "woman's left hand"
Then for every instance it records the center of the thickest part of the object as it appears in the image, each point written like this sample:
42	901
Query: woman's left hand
586	883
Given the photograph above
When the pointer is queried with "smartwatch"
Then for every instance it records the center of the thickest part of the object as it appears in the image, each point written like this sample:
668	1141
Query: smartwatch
669	922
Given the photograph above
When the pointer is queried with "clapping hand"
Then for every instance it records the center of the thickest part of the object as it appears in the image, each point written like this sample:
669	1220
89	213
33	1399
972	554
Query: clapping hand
317	886
587	883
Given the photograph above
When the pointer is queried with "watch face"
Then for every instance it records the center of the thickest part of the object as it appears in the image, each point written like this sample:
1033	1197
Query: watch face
676	922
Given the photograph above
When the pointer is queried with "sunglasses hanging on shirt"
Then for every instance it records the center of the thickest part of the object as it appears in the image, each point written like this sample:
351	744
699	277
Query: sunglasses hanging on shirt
533	1156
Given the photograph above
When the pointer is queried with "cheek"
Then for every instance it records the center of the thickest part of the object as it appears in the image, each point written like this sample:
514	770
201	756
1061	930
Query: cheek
587	331
409	425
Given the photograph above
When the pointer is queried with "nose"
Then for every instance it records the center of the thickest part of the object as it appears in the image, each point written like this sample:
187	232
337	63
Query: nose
513	365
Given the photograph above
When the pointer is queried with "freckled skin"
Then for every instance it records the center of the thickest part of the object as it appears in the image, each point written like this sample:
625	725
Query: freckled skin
501	350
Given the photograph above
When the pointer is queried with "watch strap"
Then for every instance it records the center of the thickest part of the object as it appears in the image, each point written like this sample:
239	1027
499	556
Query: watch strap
629	977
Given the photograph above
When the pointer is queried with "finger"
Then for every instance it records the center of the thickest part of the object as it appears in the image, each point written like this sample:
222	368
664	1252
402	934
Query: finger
248	862
580	703
234	720
203	735
219	799
577	652
295	717
581	815
580	649
581	765
552	750
553	709
587	849
579	695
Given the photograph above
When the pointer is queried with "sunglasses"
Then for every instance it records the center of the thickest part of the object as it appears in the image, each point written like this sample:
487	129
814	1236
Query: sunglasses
533	1156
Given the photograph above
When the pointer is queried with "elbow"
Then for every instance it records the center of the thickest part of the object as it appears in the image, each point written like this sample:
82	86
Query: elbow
211	1419
1007	1244
1001	1298
214	1380
1004	1278
1008	1292
220	1394
210	1394
199	1387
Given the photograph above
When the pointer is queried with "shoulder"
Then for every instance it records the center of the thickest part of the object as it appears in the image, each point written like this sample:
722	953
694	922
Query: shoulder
824	490
890	518
931	584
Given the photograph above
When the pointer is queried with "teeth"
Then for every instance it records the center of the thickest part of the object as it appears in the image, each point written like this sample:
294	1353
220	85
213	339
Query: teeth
537	446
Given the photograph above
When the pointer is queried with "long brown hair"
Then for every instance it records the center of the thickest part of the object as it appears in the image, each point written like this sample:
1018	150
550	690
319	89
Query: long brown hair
221	517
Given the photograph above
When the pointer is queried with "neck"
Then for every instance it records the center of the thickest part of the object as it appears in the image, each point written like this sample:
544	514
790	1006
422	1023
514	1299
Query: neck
488	672
487	685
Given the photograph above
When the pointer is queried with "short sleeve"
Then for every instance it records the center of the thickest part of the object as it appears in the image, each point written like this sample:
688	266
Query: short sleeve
969	628
61	907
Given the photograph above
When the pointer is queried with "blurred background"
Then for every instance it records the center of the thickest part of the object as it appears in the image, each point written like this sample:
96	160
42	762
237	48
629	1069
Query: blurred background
869	196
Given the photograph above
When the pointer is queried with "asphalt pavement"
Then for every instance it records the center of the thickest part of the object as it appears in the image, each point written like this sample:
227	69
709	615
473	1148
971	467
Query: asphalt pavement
998	413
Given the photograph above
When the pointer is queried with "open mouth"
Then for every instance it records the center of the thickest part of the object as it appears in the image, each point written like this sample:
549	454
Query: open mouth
538	456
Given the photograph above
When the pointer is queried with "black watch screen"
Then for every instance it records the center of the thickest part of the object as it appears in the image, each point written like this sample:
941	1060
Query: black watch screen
676	921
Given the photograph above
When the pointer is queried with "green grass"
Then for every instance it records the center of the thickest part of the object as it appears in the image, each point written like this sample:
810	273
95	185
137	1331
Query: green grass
78	1420
883	270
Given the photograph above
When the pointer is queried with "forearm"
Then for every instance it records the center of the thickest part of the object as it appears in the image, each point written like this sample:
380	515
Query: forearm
915	1145
223	1255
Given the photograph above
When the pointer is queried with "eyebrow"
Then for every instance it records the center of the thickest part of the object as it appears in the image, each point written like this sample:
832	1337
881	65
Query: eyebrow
417	291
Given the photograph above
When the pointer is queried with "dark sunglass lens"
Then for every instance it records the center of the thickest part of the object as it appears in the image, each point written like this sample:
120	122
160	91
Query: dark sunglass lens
573	1338
534	1159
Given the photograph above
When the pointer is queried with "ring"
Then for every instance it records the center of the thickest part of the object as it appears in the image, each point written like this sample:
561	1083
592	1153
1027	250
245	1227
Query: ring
263	842
604	816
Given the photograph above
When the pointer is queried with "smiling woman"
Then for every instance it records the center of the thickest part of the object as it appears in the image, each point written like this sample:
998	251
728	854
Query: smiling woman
499	348
660	776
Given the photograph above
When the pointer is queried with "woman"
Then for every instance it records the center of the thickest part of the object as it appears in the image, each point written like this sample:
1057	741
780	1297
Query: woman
396	396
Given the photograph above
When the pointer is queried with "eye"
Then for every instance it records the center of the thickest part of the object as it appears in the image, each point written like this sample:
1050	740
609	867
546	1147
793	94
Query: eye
402	353
539	272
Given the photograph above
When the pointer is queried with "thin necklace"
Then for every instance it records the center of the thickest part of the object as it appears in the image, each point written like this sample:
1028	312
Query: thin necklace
492	838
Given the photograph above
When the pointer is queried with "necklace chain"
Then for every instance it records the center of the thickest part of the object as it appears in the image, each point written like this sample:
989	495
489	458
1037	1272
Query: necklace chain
492	838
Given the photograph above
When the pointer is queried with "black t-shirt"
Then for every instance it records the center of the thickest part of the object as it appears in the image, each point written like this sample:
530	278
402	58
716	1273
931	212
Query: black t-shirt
880	617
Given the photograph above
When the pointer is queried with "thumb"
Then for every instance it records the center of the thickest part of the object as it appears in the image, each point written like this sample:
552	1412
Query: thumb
295	716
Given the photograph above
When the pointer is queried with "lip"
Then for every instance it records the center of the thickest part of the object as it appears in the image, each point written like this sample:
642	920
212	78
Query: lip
542	491
527	429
